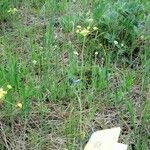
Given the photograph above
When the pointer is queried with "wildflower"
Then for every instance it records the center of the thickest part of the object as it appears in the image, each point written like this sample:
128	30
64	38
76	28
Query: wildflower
76	53
19	105
12	10
95	28
34	62
9	86
84	32
96	53
2	93
77	31
122	45
88	28
105	140
116	42
79	27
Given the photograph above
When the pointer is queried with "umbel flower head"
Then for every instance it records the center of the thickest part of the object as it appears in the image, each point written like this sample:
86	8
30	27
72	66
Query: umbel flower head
12	10
105	140
79	27
84	32
2	93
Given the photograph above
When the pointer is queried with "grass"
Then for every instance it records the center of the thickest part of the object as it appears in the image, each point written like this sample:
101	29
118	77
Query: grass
70	81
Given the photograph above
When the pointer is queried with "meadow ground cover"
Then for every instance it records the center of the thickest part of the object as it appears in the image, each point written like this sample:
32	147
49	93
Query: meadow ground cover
71	67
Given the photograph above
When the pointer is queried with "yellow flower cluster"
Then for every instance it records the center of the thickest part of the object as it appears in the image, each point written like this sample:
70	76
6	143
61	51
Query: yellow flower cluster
2	93
86	31
83	31
12	10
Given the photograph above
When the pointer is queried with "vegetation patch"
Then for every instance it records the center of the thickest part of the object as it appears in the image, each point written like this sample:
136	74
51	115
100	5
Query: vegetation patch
72	67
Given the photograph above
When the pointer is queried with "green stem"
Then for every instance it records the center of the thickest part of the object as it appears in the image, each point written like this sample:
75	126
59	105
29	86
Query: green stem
82	59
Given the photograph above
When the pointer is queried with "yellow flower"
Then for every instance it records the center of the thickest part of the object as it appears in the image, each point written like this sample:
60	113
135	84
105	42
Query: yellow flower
9	86
88	27
95	28
2	93
85	32
77	31
15	10
12	10
9	10
79	27
19	105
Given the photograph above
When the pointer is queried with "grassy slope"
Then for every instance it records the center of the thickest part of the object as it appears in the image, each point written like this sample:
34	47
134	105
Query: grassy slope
56	113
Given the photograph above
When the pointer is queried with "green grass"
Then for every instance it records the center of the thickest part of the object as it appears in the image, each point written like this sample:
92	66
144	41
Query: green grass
71	85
